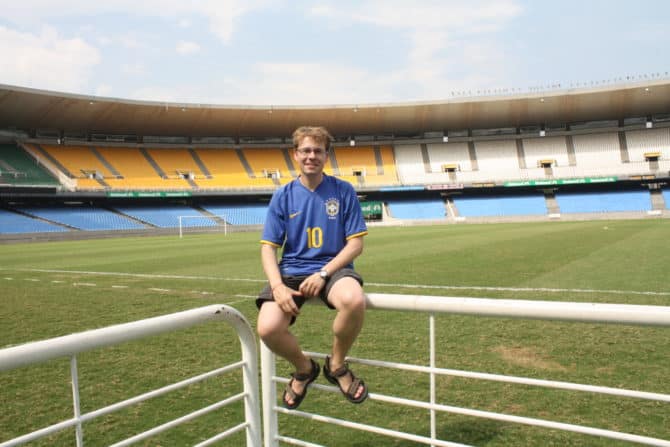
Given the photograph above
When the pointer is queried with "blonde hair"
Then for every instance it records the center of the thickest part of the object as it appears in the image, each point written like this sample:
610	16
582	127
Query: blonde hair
318	133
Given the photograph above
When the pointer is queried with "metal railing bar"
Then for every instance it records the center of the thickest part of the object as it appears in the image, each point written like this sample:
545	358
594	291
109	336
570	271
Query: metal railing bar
74	376
501	417
633	314
223	435
159	392
294	441
168	425
68	345
524	420
46	431
370	428
621	392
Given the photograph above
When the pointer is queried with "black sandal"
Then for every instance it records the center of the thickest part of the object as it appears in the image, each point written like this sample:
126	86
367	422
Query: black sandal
307	378
350	394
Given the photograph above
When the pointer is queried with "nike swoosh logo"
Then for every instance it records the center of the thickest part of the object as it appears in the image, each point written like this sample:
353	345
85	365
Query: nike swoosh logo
292	215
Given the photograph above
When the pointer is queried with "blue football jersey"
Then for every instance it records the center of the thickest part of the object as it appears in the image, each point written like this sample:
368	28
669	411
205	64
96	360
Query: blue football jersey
313	226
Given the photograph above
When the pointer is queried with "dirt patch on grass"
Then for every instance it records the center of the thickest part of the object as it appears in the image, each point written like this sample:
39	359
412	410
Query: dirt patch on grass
528	358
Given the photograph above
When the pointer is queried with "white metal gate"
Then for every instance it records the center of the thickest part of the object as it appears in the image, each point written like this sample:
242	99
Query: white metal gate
526	309
71	345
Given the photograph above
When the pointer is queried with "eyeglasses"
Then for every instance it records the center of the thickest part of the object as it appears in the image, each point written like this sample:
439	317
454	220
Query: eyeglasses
318	151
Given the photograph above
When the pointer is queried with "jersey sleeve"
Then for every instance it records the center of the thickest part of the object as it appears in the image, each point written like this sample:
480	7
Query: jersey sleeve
274	230
353	220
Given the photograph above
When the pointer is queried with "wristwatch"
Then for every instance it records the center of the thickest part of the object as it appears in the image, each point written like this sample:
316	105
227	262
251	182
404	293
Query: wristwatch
324	274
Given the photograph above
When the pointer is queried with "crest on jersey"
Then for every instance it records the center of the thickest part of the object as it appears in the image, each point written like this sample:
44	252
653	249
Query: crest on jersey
332	207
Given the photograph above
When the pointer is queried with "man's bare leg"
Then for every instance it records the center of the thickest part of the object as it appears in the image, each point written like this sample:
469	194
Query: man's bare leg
348	298
272	328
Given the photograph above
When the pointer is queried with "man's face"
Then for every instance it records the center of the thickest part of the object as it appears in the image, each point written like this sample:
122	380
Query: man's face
310	156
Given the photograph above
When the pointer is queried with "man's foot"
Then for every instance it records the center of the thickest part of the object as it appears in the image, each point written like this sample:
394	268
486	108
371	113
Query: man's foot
353	388
296	390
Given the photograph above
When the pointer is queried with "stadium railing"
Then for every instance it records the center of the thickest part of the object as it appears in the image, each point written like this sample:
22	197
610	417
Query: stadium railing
482	307
71	345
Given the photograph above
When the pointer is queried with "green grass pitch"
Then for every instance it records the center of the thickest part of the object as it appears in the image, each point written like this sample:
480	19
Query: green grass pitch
57	288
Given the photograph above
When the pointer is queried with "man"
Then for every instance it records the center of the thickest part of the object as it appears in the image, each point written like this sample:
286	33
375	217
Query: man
317	220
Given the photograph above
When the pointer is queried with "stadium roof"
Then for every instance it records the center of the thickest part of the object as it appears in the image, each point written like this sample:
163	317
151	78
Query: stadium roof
30	109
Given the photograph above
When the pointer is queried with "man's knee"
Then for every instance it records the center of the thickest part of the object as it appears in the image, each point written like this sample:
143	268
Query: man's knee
270	321
348	296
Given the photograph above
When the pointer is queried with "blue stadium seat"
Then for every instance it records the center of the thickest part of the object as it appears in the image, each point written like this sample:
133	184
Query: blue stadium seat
501	206
603	202
13	223
239	214
666	197
417	209
84	218
168	216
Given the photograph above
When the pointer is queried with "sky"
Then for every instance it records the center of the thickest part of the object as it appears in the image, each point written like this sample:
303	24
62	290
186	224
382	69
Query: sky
294	52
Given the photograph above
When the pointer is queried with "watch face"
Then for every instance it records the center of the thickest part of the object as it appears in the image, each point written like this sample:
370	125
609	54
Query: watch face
324	274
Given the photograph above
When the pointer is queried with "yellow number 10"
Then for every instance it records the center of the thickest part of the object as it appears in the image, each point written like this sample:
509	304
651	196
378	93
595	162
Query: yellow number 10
314	237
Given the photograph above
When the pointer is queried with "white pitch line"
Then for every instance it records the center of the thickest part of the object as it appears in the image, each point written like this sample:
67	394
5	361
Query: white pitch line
156	289
143	275
85	284
403	286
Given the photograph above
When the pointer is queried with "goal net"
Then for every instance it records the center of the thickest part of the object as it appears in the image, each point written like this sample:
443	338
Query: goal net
202	224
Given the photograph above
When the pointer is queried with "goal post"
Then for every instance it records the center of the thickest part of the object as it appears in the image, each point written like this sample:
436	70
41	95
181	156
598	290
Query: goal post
200	222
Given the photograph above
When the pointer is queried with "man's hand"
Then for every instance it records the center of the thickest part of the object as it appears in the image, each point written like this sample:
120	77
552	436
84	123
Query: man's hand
283	295
312	285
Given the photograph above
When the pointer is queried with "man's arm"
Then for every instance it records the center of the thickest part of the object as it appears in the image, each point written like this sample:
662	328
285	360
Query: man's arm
283	295
313	284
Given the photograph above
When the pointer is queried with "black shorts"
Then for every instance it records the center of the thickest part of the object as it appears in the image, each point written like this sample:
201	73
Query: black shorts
294	283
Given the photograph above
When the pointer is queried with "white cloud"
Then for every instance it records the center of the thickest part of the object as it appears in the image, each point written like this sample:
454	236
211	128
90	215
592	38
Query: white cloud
46	61
133	69
184	47
304	84
221	15
438	33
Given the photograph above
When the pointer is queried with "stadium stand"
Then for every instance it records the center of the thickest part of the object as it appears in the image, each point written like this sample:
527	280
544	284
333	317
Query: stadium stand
83	218
666	198
227	170
238	214
497	160
597	153
548	148
167	216
175	163
19	169
364	165
603	202
642	143
501	206
268	165
14	223
135	172
79	163
442	155
417	208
